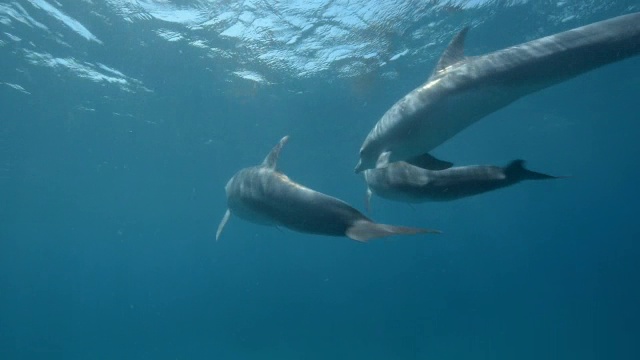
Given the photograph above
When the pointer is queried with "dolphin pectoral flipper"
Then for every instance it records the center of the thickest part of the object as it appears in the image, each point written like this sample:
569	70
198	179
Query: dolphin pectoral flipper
367	199
365	230
454	51
271	161
225	218
429	162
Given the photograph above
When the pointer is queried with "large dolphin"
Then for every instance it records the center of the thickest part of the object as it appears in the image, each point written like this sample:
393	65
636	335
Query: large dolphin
263	195
462	90
409	182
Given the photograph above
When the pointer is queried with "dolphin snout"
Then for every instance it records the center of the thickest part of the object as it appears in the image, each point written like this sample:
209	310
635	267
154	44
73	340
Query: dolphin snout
359	167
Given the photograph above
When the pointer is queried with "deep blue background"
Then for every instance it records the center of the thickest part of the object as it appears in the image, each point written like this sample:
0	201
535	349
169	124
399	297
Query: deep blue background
108	222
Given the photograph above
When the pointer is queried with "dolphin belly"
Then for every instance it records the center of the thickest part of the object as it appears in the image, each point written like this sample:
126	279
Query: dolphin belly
398	181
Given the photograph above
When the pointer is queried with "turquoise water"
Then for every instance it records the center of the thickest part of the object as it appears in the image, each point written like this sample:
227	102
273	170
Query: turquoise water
121	122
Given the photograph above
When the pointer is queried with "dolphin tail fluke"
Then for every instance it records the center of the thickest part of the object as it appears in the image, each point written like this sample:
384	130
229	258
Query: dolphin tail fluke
225	218
516	171
364	230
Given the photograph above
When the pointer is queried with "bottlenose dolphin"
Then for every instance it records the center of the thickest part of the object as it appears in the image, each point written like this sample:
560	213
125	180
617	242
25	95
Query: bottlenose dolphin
462	90
406	182
263	195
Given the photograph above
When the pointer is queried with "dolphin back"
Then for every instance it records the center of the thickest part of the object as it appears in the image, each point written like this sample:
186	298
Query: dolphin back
556	58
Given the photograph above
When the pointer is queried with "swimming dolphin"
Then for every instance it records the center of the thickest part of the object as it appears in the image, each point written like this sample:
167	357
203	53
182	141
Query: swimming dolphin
406	182
263	195
462	90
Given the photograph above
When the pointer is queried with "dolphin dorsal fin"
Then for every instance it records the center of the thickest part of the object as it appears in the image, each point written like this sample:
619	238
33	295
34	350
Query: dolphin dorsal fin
271	161
454	51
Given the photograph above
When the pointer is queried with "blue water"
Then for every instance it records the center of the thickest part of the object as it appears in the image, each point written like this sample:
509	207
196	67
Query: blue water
116	141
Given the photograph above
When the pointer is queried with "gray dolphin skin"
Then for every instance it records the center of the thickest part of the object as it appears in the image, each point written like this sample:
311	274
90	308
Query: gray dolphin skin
462	90
402	181
263	195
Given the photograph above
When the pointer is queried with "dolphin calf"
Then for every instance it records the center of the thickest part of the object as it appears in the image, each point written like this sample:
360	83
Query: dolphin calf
462	90
406	182
263	195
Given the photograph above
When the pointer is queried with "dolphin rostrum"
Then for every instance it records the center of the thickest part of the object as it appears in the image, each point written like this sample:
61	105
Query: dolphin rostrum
407	182
462	90
263	195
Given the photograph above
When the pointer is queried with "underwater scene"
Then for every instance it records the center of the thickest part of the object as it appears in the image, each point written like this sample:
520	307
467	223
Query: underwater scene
319	179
